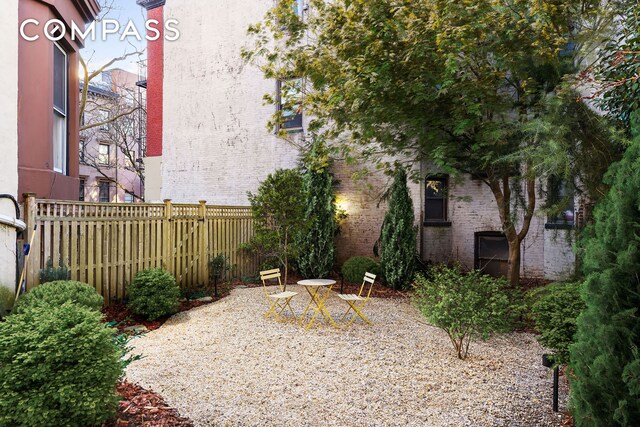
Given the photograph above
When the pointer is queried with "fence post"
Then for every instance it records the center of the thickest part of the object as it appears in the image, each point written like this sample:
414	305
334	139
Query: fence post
29	213
203	258
167	237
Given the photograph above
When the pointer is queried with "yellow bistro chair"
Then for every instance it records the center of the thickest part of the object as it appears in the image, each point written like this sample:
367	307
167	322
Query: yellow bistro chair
357	302
278	301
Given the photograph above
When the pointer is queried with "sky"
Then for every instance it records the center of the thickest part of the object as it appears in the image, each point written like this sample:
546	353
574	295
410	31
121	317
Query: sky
99	52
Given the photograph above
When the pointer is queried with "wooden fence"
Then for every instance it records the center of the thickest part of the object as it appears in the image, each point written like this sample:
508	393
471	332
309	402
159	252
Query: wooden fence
106	244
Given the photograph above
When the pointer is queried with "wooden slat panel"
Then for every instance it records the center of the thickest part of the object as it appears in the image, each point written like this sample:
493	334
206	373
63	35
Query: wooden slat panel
106	244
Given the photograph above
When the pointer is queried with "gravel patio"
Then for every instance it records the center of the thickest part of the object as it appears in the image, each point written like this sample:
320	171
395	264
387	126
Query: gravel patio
223	364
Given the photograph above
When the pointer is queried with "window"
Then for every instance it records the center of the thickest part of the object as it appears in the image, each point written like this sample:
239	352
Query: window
492	253
60	93
128	198
104	154
104	191
435	204
288	93
103	117
561	196
82	148
81	192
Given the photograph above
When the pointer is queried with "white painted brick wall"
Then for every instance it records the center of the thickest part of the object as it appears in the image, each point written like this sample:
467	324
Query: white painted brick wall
215	143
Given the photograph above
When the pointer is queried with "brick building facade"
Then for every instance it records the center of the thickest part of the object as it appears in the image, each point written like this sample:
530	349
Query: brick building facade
215	146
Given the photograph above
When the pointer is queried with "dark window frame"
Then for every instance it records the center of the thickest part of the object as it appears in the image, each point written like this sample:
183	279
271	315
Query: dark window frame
60	109
101	186
443	219
82	189
556	191
477	260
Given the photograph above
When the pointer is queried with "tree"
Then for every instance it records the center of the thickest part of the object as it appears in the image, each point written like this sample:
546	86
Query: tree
114	113
316	242
398	239
615	74
278	217
454	84
605	358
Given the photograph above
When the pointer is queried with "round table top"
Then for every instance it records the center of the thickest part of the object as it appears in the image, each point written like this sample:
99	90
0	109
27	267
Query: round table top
316	282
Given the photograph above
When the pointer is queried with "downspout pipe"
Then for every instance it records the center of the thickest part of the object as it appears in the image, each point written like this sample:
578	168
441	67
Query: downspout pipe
16	223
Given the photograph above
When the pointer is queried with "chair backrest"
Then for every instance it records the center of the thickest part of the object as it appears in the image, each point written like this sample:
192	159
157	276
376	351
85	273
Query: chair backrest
269	275
368	278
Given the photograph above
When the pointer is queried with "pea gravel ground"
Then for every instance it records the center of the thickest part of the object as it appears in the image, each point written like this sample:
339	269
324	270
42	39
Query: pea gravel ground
223	364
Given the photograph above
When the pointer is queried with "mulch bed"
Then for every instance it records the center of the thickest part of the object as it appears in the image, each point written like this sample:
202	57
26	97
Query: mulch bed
123	317
140	407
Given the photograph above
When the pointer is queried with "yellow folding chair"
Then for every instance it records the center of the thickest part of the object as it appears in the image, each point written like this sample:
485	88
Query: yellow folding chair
357	302
278	301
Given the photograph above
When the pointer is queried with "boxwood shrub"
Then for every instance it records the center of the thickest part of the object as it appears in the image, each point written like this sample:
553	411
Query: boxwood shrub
354	268
57	293
58	367
153	294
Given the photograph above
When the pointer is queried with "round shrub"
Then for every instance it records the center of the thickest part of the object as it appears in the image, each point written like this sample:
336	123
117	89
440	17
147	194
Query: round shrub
57	293
59	366
555	313
354	268
153	294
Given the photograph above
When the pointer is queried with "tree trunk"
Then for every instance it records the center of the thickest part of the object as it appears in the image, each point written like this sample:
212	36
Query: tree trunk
502	193
513	272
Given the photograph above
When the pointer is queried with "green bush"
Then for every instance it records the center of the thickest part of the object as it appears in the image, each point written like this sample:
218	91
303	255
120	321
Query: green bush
153	294
53	274
398	236
317	242
466	306
59	292
59	366
6	300
354	268
555	312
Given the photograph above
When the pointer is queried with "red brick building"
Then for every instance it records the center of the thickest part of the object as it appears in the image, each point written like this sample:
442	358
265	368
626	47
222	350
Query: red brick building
48	124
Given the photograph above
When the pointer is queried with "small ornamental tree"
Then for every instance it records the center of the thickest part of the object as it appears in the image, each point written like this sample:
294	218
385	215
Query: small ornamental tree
398	239
316	243
606	356
278	212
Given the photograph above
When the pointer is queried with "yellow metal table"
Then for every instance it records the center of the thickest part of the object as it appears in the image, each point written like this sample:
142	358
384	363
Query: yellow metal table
318	298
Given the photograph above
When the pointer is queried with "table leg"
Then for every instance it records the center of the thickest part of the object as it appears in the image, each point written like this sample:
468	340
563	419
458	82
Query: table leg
311	301
324	310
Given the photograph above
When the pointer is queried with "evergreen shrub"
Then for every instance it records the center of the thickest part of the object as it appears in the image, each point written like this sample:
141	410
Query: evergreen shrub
153	294
398	237
555	313
57	293
59	366
354	268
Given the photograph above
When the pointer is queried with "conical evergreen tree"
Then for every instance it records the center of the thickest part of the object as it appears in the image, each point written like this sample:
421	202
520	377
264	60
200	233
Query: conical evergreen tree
398	239
317	245
605	358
